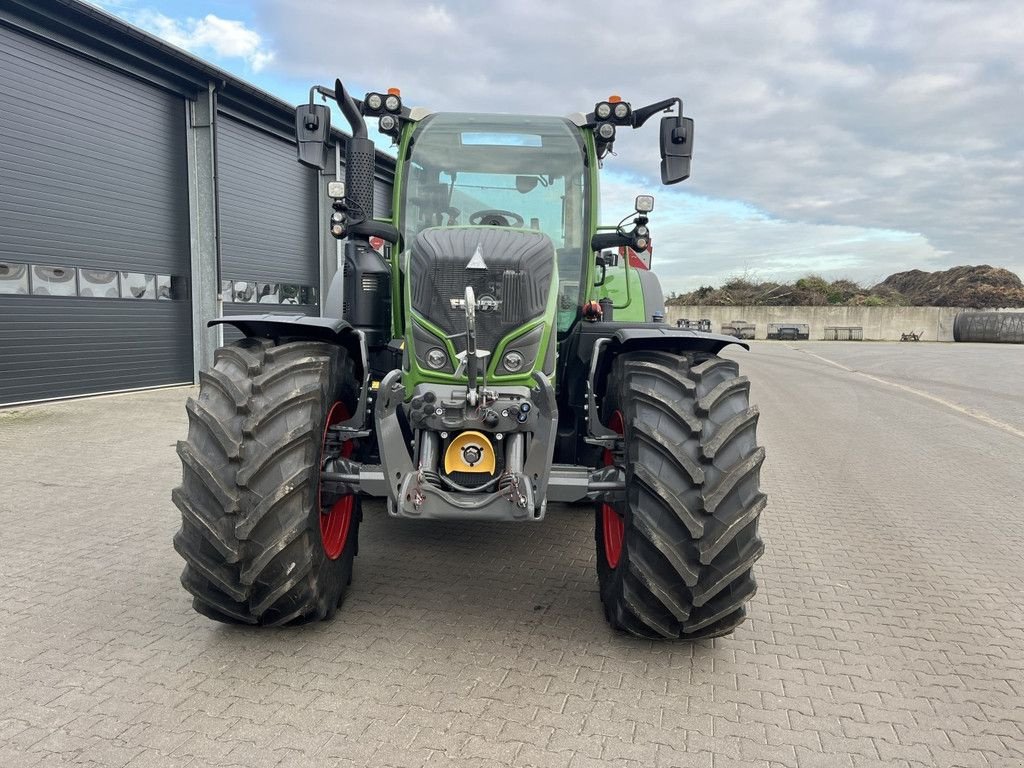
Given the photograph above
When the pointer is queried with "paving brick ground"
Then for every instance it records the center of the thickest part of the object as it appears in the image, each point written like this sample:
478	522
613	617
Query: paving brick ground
888	630
980	377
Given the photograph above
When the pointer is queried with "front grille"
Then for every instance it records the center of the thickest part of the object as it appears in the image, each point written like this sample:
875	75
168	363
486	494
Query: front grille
519	270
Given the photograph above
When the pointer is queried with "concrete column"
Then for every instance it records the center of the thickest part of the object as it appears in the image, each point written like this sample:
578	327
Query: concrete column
202	205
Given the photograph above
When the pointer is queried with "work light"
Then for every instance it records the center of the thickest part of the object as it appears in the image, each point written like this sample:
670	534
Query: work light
436	358
512	361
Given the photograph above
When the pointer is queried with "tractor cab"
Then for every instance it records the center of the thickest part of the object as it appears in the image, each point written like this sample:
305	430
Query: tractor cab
520	173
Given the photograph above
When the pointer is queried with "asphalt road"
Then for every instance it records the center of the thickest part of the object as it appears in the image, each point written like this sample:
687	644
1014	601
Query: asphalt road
888	629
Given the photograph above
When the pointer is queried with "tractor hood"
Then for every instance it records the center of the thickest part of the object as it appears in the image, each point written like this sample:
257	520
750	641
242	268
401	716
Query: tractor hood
512	273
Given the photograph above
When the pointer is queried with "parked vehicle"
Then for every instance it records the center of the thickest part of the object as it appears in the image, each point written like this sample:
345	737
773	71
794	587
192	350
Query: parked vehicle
739	329
493	363
788	331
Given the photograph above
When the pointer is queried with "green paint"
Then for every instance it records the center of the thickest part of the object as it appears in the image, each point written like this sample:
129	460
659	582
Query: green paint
622	286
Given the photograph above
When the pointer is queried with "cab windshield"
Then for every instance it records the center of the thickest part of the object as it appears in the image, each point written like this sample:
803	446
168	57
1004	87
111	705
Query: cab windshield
501	170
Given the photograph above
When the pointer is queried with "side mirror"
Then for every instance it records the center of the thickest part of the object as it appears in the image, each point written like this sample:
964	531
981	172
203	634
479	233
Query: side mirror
676	149
312	130
526	184
600	263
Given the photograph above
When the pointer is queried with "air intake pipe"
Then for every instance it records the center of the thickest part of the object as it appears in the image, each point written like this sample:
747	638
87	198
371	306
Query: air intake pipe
366	274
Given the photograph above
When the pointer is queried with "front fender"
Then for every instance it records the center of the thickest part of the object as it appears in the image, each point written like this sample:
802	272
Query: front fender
275	326
617	337
297	327
658	336
587	359
653	336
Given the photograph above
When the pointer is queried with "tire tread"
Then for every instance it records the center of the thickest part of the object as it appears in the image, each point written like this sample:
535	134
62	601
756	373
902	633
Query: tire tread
250	475
692	502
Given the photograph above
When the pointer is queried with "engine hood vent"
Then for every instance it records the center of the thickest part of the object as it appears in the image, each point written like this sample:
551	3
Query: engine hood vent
509	270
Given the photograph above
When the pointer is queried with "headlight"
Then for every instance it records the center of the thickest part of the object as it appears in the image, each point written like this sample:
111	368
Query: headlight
436	358
392	103
388	123
374	101
622	110
606	131
603	110
512	361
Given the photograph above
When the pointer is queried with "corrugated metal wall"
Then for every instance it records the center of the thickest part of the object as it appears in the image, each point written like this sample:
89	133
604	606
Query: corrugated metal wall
268	207
381	198
97	236
91	345
268	224
92	183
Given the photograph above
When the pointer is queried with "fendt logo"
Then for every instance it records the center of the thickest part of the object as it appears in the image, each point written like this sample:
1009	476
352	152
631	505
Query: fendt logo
487	303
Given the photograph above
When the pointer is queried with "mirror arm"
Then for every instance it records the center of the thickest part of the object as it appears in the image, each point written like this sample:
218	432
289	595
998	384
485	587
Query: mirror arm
603	240
323	90
642	115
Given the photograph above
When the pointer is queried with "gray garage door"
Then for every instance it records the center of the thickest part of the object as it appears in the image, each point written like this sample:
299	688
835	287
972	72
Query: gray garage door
94	242
382	191
268	223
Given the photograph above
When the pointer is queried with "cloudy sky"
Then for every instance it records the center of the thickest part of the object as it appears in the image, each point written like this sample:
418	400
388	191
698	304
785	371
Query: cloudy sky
847	139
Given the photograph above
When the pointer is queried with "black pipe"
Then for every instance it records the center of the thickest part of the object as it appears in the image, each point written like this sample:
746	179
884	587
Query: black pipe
360	163
350	110
605	485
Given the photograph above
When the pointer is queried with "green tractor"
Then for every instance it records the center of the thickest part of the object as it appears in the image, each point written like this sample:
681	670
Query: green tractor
501	357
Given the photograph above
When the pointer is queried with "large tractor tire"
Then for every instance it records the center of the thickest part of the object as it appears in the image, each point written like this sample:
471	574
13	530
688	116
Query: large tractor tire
258	548
675	554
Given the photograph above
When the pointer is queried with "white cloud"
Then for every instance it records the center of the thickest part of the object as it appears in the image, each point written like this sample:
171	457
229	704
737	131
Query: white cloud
223	38
698	241
896	117
831	123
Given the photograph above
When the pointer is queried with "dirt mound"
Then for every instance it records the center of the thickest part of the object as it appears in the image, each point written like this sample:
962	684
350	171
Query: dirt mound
810	291
980	286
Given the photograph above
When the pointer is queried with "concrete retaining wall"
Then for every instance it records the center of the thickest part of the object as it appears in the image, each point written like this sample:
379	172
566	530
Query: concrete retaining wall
879	323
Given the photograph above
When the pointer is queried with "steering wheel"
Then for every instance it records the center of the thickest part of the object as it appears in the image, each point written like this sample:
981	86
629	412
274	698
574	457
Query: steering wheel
496	217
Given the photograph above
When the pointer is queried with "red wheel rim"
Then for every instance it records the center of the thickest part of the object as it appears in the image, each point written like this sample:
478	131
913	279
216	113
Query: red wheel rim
612	523
334	524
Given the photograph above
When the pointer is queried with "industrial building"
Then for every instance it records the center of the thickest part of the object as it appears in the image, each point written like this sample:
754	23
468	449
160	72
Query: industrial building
142	192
